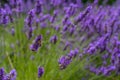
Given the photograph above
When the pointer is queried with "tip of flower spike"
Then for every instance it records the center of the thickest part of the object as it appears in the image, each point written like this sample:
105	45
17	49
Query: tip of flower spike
13	72
89	8
96	2
39	37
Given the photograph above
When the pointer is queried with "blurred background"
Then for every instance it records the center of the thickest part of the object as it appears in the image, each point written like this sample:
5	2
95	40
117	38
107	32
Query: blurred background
109	2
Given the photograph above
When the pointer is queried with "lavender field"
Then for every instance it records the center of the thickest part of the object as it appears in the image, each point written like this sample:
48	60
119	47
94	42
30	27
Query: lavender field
59	40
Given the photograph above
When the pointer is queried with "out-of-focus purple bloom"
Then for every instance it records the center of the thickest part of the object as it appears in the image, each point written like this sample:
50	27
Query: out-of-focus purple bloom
44	17
53	39
43	25
11	76
38	7
34	47
9	12
13	3
72	29
64	62
7	77
19	6
52	19
37	22
57	28
81	55
40	72
29	32
56	2
67	44
73	53
4	17
37	43
13	31
65	19
96	2
30	18
71	9
65	28
8	9
82	15
2	73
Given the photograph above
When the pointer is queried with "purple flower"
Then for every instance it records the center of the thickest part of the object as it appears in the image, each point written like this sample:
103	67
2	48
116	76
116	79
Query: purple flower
11	76
72	29
4	17
82	15
7	77
96	2
19	8
53	39
43	25
52	19
37	43
65	19
73	53
2	73
57	28
67	44
40	71
44	17
56	2
13	3
64	61
71	9
29	32
65	28
38	7
13	31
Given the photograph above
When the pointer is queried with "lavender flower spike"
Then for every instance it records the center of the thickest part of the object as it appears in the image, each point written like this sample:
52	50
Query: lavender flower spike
82	15
53	39
40	71
36	44
64	61
2	73
13	74
38	7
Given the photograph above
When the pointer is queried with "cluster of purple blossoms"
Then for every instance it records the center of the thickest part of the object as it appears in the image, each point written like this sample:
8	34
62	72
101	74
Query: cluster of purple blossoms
38	7
10	76
64	61
52	19
40	71
37	43
29	22
53	39
102	27
16	5
6	15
